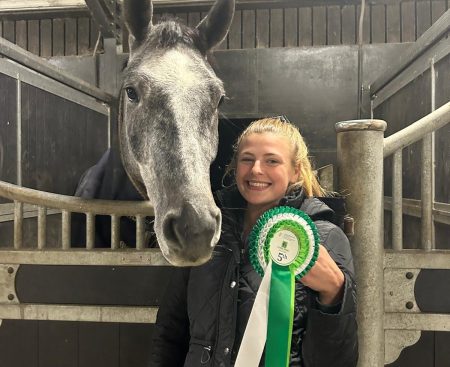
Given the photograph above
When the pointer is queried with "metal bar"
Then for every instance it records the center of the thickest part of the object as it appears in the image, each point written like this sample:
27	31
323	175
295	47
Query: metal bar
115	232
90	231
65	229
397	196
360	167
146	257
441	211
16	53
417	321
414	132
126	314
18	224
419	259
75	204
140	232
42	227
431	36
15	70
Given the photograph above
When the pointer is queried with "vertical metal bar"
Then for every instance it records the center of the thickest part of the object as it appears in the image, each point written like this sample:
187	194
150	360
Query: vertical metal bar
90	231
18	224
360	167
397	201
42	227
65	229
140	225
115	231
19	130
427	182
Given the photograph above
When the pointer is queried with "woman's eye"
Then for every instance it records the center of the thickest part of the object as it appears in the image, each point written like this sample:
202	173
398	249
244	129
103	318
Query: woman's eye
272	162
131	94
246	160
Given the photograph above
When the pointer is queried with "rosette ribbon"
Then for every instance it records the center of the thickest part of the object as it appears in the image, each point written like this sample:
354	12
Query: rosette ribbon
283	246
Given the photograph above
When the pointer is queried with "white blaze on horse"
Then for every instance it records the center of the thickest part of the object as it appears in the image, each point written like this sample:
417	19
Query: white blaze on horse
168	125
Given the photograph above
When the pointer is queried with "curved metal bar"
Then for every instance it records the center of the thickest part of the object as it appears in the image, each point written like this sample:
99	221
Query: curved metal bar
75	204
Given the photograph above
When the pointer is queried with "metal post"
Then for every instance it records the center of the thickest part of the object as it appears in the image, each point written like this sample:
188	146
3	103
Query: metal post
115	231
140	232
360	175
65	229
90	231
397	201
42	227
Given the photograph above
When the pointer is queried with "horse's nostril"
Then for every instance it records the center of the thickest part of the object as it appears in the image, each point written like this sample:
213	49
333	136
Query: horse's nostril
169	229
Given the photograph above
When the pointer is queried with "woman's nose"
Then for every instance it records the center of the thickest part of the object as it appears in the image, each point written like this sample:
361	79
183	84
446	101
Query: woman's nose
256	169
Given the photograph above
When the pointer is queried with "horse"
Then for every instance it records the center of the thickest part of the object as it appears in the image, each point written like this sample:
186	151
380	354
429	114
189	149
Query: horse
168	125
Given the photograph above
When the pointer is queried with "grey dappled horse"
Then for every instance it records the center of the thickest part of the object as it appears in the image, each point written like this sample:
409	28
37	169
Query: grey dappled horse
168	125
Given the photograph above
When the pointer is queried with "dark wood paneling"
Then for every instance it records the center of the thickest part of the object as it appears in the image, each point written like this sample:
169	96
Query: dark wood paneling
442	351
99	345
378	24
319	21
58	344
366	23
70	36
262	28
235	34
46	38
276	28
334	26
291	27
305	29
19	345
83	36
408	20
21	34
423	17
58	37
393	25
9	32
349	24
193	19
437	9
248	28
8	130
33	36
135	342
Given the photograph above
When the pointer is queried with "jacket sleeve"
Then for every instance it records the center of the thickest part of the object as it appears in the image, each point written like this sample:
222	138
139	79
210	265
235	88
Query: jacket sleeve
170	341
331	338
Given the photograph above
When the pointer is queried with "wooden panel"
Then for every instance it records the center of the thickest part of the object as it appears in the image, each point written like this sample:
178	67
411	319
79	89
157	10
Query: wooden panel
276	28
305	31
334	25
183	17
248	28
262	28
423	17
33	36
135	340
19	343
393	24
193	19
408	21
437	9
58	344
83	36
349	24
21	34
46	38
442	351
95	34
319	22
58	37
235	33
9	32
291	27
366	23
70	36
378	24
99	344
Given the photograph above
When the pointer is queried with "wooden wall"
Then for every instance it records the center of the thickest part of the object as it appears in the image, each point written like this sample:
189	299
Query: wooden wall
284	24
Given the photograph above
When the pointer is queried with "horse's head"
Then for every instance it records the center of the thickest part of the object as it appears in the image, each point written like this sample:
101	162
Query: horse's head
168	126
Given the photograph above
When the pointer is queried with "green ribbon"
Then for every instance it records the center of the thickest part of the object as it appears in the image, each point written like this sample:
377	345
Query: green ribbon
279	330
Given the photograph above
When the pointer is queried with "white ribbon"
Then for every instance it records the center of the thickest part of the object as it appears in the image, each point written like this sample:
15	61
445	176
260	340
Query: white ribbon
255	334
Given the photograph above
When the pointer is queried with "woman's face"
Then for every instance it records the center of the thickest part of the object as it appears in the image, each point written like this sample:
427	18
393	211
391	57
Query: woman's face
264	169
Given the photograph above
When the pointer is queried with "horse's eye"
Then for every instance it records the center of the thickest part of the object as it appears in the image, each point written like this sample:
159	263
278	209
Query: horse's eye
131	93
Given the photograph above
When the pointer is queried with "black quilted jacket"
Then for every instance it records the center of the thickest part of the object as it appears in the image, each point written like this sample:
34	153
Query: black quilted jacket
203	316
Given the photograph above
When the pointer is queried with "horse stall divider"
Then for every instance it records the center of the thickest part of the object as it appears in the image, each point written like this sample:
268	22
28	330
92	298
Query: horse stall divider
387	278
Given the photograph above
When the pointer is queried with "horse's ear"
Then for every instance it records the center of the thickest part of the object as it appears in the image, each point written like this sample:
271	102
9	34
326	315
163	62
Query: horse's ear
215	25
138	19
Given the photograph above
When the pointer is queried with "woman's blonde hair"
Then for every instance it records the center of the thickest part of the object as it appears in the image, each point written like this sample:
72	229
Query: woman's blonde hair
307	179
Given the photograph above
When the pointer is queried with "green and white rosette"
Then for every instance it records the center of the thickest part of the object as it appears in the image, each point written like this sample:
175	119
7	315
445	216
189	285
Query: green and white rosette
283	246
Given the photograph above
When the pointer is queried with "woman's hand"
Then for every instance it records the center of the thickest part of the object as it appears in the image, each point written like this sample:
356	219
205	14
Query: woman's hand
326	278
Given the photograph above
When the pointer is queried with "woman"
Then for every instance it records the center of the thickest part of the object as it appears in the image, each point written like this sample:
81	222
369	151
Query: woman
203	317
